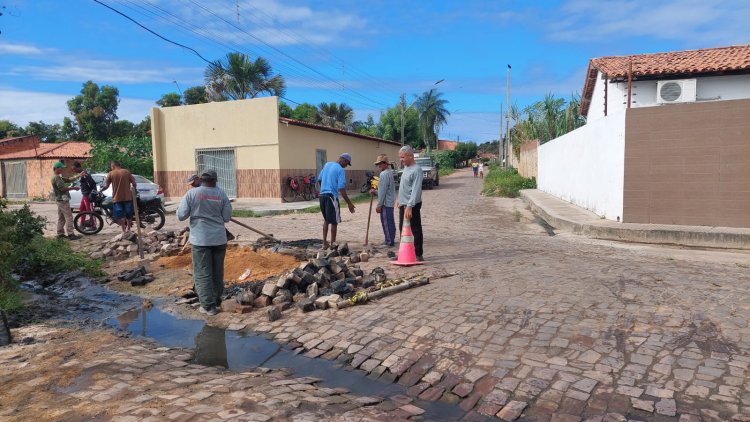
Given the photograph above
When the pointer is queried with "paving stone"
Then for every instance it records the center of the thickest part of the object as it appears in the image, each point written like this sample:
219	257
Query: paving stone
586	385
646	405
474	374
412	410
630	391
512	410
684	374
463	389
667	407
589	356
432	393
641	359
659	392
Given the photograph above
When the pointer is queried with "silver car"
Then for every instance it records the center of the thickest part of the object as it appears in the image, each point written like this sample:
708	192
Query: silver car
146	189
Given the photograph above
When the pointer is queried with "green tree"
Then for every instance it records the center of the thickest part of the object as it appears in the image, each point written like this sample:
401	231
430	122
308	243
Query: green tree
70	130
488	147
46	132
285	110
389	126
9	129
170	99
195	95
134	153
368	127
336	115
238	77
95	110
305	112
465	151
432	115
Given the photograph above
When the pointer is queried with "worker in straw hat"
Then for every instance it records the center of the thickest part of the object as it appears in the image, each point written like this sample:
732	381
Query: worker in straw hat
386	199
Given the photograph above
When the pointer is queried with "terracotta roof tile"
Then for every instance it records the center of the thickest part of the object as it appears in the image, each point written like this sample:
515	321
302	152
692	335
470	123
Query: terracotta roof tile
679	63
68	149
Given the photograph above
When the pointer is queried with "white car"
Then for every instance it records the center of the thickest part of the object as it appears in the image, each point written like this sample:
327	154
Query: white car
146	189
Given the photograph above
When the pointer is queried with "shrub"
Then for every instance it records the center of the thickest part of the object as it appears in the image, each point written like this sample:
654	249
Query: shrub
26	253
505	182
446	159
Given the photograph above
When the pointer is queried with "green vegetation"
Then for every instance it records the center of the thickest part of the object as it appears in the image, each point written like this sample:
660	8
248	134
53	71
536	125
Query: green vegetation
135	153
238	77
244	213
361	198
545	120
505	183
445	171
26	253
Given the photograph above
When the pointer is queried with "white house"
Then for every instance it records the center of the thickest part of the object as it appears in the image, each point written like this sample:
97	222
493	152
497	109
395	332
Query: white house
667	140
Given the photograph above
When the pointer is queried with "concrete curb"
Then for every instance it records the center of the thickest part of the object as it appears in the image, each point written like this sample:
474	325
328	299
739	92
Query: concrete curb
679	235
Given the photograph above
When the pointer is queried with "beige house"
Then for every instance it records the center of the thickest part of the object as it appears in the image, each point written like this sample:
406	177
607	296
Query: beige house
252	149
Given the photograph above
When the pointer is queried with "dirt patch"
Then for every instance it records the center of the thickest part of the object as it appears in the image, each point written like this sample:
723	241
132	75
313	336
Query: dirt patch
263	264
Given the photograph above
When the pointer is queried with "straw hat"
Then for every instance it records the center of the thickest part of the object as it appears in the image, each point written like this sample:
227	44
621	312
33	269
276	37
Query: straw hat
382	158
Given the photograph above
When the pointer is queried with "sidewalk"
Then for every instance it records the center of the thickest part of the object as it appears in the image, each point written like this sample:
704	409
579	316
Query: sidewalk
259	206
565	216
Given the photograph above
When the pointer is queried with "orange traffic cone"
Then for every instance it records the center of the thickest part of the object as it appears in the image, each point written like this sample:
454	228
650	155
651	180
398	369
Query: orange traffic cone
406	254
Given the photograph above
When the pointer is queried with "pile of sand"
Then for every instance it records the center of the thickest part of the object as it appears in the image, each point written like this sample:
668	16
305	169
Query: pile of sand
263	264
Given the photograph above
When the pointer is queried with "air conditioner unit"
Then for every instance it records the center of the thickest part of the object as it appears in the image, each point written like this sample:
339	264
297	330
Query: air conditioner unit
677	91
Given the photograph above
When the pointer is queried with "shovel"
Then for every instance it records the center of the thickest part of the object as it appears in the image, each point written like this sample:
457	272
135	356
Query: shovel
241	224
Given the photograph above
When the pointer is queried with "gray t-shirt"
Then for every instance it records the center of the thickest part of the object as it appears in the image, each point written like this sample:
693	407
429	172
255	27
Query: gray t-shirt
410	189
208	210
386	189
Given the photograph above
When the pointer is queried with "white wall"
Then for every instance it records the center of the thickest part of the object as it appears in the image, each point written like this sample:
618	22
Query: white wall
586	166
643	93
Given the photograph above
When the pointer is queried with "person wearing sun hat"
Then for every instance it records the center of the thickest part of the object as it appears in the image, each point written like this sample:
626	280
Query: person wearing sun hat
60	189
386	199
332	181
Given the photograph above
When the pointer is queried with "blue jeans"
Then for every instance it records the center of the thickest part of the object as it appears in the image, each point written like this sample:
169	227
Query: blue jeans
208	274
389	225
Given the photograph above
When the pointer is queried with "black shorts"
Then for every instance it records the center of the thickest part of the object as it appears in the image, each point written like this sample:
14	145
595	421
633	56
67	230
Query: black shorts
329	207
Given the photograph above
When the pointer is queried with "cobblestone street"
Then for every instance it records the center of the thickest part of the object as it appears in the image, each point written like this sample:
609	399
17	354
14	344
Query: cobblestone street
515	323
557	327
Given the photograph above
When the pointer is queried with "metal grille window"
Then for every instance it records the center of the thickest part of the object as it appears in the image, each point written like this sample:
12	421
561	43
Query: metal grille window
15	179
222	161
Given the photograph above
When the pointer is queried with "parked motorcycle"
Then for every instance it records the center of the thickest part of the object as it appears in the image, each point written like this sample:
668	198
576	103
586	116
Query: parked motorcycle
150	212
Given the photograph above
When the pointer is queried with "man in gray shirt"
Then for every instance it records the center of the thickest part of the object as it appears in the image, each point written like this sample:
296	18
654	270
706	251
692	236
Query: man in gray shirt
386	199
208	208
410	197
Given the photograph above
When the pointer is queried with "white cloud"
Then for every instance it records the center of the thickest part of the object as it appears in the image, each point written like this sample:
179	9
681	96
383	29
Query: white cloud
108	72
696	22
22	107
272	22
21	49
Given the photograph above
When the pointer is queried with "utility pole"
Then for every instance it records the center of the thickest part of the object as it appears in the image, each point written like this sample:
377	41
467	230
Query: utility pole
403	106
507	118
500	139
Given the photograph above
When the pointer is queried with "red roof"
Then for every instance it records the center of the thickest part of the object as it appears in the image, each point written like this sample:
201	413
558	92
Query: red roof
675	63
68	149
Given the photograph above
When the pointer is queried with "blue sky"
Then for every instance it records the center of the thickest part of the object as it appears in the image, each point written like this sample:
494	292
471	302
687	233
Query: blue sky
364	53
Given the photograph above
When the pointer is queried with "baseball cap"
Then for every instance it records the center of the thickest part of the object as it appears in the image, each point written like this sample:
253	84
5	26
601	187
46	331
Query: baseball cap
382	158
346	156
192	178
59	165
209	175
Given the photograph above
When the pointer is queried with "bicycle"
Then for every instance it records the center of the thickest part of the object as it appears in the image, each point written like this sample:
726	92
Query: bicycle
294	188
150	212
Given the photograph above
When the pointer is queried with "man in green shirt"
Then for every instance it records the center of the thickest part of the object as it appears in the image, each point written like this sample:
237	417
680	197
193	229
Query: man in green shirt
62	198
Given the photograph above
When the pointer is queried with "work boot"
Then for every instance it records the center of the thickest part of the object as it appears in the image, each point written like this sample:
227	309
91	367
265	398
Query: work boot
73	237
420	258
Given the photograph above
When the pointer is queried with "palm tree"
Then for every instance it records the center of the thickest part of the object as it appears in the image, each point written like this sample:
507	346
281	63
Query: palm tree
238	77
432	115
336	115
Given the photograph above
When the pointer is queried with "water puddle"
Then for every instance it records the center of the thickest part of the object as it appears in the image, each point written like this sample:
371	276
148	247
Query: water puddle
245	351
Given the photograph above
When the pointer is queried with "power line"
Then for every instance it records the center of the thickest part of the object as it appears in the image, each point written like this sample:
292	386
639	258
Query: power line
202	32
165	39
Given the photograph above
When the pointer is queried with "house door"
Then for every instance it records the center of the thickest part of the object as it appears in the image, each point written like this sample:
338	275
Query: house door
320	160
222	161
15	179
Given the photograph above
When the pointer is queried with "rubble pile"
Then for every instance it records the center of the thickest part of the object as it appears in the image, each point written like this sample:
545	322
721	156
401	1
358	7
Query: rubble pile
125	245
136	277
318	283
